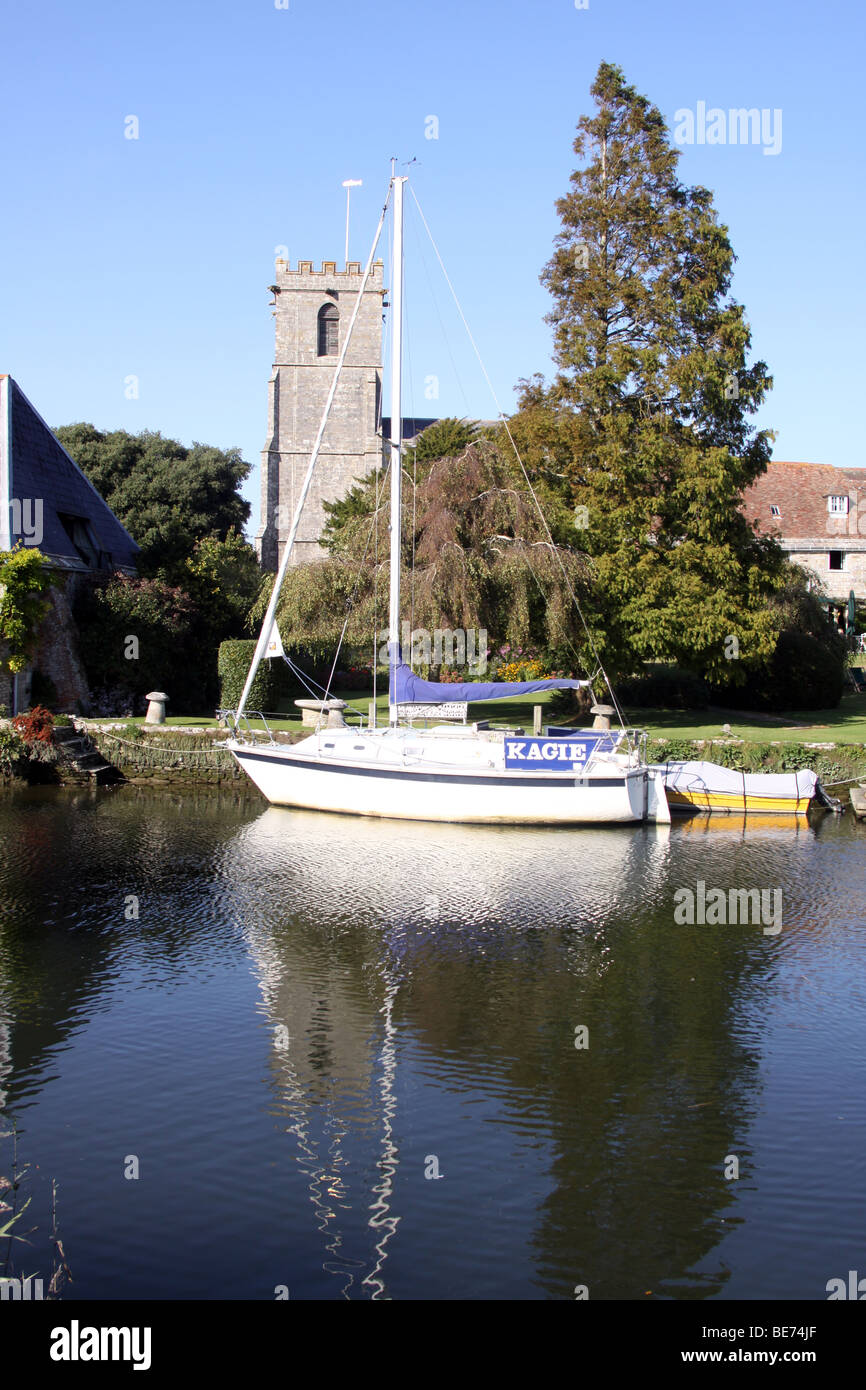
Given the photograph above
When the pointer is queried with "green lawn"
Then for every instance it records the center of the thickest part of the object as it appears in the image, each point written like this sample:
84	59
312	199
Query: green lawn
847	724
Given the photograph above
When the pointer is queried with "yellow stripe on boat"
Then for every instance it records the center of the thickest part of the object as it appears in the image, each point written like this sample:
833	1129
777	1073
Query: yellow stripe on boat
730	801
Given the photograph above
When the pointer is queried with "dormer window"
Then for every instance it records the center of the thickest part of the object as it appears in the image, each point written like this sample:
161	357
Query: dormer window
80	532
774	511
329	330
837	506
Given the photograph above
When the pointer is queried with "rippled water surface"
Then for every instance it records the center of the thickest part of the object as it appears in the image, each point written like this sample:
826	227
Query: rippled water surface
311	1017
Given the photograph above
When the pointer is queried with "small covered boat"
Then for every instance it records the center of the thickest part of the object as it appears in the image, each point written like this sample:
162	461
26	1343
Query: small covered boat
703	786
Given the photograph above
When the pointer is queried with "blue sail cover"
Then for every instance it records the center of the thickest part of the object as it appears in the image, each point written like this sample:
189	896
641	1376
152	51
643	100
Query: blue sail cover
409	689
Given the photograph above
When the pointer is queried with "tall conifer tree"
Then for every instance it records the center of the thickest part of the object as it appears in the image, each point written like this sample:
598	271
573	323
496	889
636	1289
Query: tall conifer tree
648	413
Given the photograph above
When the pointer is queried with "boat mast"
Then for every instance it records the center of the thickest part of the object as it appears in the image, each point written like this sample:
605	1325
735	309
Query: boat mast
396	446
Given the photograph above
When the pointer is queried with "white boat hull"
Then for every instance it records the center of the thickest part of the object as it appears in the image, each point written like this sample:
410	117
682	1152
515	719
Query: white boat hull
458	793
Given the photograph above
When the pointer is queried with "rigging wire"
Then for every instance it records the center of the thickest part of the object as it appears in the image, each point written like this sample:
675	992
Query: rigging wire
414	446
434	299
504	422
273	602
383	471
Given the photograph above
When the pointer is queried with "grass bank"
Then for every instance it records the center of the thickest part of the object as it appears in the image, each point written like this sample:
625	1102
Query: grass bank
845	724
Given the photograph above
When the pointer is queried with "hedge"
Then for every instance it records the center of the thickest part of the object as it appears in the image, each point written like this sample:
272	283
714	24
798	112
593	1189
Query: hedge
233	663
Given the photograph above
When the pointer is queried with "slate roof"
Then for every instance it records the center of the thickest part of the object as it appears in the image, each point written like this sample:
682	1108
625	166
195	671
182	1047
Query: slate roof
800	492
411	427
34	467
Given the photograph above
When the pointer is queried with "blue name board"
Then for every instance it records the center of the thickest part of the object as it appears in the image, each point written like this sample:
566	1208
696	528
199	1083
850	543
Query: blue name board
555	753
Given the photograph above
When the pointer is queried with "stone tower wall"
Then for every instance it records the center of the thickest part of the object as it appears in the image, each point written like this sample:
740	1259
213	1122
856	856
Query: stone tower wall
297	392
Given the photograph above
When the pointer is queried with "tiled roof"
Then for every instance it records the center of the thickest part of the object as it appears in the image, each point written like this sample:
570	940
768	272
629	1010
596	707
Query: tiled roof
38	468
800	492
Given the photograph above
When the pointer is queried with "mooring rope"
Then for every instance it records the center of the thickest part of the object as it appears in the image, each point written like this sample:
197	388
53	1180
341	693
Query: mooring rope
175	753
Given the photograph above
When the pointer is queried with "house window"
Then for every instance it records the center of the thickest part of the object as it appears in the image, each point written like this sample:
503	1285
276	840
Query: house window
329	330
837	558
80	532
774	511
837	506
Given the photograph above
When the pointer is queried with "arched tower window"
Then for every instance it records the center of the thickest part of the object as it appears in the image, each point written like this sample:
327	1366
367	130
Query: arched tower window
329	330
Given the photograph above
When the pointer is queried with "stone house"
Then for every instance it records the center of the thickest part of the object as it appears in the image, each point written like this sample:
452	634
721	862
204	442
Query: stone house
48	503
818	515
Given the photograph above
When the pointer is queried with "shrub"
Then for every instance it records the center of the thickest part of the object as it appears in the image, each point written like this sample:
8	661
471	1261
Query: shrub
114	702
162	619
353	678
37	726
523	669
25	578
13	753
663	687
275	683
233	664
451	675
805	673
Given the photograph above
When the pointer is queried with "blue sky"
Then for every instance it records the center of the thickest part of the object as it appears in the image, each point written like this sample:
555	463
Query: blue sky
151	257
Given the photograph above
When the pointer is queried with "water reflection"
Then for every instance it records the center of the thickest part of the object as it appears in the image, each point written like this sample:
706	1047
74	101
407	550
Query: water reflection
469	960
419	988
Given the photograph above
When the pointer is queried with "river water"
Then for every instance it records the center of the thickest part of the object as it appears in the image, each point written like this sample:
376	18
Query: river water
359	1060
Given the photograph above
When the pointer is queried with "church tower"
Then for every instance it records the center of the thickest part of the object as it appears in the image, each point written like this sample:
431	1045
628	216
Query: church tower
312	312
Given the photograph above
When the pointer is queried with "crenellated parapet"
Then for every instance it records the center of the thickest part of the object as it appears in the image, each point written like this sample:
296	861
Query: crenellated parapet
304	276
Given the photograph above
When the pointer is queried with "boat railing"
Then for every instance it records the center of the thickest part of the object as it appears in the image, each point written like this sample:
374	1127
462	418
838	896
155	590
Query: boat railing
623	740
242	729
610	741
240	725
637	742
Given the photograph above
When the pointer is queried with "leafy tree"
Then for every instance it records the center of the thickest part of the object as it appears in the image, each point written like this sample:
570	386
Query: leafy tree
645	427
177	628
223	579
446	438
476	557
25	578
167	496
359	502
807	668
161	619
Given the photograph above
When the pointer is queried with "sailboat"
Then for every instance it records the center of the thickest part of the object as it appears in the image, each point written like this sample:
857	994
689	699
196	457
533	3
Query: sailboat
460	774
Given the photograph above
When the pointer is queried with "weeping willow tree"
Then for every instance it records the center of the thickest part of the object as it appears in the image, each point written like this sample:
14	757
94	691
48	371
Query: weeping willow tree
475	554
445	438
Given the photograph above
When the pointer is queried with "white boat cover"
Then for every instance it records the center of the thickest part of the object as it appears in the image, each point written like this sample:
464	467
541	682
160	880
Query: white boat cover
709	778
